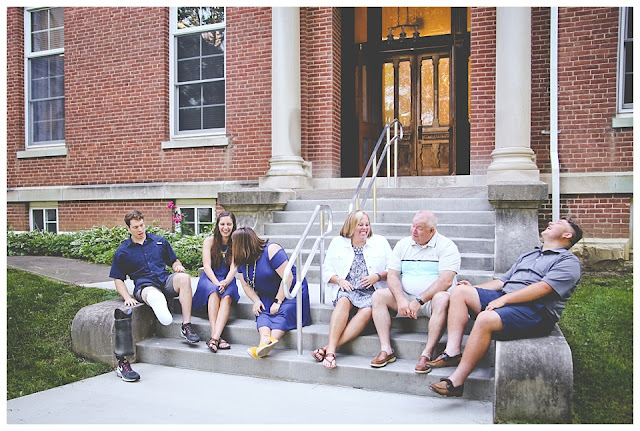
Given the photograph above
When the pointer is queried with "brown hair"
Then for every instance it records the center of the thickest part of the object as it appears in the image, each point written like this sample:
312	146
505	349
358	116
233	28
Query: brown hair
577	232
349	226
247	246
133	215
216	245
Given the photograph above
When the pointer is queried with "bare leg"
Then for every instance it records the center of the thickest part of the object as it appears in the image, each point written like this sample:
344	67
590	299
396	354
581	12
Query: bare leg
338	322
223	316
439	308
463	298
381	301
477	345
212	310
182	286
355	326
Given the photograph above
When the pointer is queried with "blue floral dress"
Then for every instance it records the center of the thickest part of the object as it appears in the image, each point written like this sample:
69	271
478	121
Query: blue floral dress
361	296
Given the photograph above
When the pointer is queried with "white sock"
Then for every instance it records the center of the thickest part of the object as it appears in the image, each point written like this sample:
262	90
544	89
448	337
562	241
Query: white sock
158	304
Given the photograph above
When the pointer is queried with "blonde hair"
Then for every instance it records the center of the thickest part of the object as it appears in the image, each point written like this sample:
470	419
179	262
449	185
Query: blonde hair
352	221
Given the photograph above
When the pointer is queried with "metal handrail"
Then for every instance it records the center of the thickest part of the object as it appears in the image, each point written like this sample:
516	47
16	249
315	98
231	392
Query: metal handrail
301	273
355	201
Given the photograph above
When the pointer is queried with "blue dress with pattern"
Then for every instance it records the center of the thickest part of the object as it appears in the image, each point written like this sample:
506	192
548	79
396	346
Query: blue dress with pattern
206	287
360	297
267	283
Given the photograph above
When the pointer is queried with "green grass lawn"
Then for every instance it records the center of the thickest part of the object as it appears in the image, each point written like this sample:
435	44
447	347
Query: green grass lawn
39	316
598	324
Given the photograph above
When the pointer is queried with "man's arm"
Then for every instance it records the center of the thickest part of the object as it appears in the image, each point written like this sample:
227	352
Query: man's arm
530	293
121	288
177	266
489	285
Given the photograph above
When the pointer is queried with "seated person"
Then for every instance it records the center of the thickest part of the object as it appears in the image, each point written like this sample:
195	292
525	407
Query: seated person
526	301
217	288
355	262
262	264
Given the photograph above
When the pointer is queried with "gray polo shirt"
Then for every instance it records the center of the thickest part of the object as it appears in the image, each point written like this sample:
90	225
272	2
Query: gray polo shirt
559	268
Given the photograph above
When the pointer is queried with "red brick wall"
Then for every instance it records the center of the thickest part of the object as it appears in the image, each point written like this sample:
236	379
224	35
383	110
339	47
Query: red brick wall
17	217
483	88
320	82
15	90
599	216
587	58
540	82
81	215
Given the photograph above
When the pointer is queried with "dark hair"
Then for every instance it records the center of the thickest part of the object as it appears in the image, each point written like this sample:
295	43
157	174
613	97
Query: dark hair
133	215
247	246
216	246
577	236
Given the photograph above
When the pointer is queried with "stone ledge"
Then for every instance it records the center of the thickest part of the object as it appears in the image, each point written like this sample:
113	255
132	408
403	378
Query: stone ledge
92	329
534	380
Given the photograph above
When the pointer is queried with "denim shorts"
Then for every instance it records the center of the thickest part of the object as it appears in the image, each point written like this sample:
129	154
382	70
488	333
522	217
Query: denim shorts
524	320
167	289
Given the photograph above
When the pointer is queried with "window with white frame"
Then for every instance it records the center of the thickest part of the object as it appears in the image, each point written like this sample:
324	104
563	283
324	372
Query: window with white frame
44	72
197	71
196	220
625	61
44	219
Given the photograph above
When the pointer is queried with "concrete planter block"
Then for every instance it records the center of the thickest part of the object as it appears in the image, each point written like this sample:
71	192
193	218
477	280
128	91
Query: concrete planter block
92	329
534	380
254	208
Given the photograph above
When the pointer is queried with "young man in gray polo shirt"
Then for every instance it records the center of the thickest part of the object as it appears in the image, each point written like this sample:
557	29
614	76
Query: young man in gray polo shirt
527	301
422	269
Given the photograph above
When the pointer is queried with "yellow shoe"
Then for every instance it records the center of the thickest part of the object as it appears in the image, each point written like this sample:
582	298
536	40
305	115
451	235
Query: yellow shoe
252	352
264	349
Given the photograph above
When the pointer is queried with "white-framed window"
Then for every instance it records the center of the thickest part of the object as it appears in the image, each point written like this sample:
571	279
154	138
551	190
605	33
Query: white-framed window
625	61
44	219
44	77
196	219
197	71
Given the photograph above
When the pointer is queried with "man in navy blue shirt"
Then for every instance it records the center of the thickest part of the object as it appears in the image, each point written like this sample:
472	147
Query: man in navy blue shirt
144	257
526	301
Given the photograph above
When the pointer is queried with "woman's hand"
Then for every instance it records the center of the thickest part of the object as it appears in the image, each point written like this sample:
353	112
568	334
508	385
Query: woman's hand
222	286
369	280
257	308
345	285
275	307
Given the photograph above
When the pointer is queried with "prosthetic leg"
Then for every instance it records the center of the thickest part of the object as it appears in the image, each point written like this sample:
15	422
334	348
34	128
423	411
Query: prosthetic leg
124	345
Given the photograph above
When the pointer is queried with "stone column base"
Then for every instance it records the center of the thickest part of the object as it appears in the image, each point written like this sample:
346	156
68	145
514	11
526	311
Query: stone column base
287	172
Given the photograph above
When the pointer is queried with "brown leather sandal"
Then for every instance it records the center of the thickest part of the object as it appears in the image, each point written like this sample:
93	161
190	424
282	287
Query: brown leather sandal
319	354
213	344
223	345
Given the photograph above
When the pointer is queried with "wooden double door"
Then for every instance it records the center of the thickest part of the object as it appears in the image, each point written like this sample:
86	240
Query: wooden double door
416	90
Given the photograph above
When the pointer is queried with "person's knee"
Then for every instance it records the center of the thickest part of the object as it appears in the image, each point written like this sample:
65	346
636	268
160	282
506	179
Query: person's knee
380	298
440	303
488	321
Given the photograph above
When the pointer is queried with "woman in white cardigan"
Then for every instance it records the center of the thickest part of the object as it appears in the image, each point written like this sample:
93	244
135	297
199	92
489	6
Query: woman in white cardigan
354	266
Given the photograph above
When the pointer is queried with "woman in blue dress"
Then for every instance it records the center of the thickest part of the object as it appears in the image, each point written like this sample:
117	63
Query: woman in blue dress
262	264
217	288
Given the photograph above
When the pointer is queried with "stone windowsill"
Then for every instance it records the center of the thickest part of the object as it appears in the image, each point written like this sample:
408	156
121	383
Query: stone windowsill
620	122
54	151
192	142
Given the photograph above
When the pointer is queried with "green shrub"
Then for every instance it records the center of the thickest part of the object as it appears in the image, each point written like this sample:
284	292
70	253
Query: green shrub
100	244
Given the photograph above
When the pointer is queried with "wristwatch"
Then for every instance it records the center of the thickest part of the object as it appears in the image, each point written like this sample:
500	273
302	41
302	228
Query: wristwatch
420	301
276	301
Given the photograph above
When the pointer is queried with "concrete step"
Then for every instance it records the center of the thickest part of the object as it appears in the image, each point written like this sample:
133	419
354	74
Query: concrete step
396	204
398	217
406	342
458	230
284	363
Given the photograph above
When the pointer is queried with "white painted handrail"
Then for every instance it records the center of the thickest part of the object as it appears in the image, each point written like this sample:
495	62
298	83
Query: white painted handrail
301	273
356	202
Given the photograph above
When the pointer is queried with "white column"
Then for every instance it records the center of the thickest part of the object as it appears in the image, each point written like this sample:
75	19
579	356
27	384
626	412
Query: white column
287	168
513	159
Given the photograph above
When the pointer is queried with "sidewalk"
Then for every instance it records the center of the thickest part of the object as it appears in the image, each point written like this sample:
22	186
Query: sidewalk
167	395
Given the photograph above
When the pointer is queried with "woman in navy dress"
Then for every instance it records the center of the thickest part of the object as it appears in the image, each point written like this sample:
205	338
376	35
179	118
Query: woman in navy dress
217	288
262	264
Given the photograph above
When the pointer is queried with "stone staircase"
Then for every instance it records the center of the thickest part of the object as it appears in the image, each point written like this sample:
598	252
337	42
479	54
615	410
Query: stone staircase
464	215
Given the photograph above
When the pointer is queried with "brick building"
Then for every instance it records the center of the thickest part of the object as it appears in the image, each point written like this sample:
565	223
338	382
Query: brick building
115	108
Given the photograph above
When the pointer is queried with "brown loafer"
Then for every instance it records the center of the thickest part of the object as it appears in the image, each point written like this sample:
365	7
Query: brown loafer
421	366
383	359
445	360
445	387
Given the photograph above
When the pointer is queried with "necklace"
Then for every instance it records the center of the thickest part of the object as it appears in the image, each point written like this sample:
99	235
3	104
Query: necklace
252	282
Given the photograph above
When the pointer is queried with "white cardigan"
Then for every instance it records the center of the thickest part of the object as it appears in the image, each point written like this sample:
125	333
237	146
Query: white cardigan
340	255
